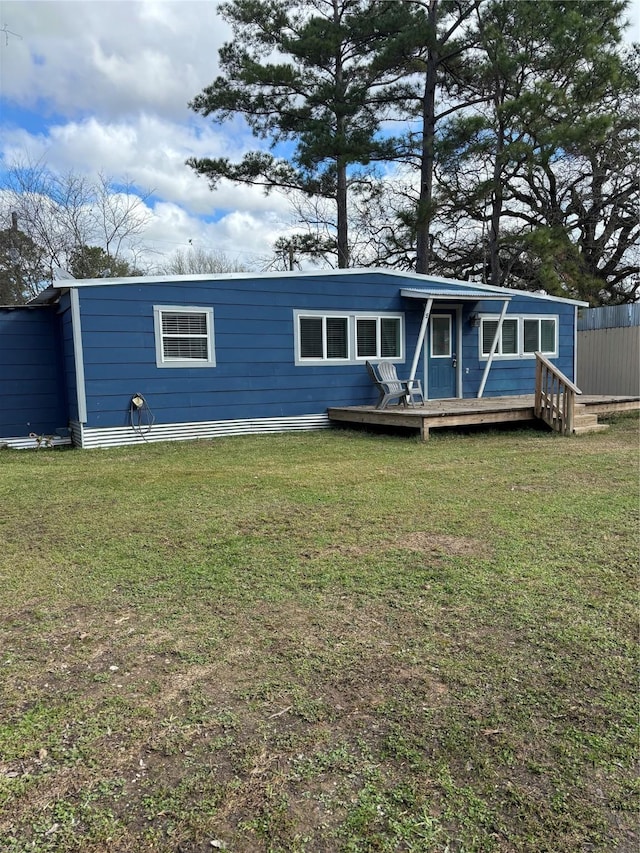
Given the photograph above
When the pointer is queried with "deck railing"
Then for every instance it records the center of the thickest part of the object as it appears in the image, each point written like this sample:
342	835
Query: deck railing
555	396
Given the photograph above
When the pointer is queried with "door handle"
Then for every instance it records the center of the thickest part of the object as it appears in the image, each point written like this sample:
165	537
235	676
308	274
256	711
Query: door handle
454	362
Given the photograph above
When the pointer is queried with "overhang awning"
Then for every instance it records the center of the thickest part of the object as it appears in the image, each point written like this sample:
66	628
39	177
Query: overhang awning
440	295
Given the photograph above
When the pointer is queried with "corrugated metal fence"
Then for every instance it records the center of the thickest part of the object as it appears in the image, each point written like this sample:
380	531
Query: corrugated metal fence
609	350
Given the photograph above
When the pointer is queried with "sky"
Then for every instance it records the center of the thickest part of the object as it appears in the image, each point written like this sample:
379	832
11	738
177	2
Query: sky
102	86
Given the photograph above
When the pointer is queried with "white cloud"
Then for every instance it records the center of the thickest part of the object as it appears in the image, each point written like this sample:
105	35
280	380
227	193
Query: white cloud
246	237
151	152
111	82
114	58
633	16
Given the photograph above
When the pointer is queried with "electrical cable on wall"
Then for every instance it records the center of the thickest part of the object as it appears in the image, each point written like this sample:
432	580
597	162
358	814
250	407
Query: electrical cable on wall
141	418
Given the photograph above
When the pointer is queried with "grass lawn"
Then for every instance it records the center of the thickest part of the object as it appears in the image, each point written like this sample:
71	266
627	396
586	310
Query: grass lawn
331	641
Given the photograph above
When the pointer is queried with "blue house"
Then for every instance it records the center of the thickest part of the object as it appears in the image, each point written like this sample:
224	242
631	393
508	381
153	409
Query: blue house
119	361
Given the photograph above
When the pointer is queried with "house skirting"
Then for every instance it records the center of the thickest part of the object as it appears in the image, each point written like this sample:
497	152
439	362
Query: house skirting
26	442
93	437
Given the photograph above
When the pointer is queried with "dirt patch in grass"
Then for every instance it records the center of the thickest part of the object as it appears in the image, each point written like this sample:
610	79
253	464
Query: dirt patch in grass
271	724
438	545
455	546
301	714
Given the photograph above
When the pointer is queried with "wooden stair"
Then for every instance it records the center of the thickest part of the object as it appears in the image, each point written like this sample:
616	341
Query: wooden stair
555	402
585	422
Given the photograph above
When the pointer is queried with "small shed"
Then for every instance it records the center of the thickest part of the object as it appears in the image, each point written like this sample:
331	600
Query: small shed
608	350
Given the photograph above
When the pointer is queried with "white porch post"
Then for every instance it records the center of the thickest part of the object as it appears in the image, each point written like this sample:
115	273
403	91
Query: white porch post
494	346
421	334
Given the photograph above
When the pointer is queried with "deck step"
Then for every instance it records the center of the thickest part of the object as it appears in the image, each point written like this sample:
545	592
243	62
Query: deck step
582	430
585	420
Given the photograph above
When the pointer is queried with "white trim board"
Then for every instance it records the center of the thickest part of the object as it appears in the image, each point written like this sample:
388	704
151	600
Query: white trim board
78	355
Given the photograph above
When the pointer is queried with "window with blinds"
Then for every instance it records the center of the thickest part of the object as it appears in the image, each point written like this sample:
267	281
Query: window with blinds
378	337
366	337
390	337
323	338
540	336
184	337
348	338
521	337
311	337
337	337
508	341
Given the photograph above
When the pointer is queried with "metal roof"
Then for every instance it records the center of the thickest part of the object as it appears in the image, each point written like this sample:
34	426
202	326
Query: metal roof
46	297
466	295
475	290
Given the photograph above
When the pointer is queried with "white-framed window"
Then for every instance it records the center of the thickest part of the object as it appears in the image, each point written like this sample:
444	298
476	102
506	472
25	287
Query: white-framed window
378	337
323	338
508	340
354	337
520	337
539	335
184	336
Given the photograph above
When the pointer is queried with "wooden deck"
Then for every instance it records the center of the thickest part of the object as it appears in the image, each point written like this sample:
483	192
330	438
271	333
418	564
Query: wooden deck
468	411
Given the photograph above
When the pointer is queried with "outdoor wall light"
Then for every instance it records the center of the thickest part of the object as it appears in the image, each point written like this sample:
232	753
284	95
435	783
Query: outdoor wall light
474	320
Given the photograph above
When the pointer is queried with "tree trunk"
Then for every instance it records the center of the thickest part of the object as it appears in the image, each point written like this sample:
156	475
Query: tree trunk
342	219
424	212
342	226
497	197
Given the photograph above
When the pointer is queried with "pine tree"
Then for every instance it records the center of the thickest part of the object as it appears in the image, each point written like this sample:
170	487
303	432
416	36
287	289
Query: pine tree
22	270
95	262
548	74
309	79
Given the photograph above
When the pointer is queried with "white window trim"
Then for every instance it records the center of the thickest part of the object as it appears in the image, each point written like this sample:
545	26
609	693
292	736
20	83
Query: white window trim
323	315
352	350
361	359
539	317
161	361
520	354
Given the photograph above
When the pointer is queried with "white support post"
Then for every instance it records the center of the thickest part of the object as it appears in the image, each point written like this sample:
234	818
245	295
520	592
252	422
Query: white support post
421	334
494	346
78	354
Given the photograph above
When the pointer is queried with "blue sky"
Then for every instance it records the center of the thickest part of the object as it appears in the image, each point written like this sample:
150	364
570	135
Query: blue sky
103	85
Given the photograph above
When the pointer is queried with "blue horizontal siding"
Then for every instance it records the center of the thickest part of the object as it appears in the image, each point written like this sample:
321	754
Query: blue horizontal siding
255	374
263	386
115	340
29	384
32	389
34	360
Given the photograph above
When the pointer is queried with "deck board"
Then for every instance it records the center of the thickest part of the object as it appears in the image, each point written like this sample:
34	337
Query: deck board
468	411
